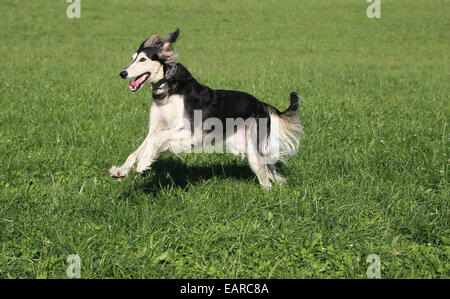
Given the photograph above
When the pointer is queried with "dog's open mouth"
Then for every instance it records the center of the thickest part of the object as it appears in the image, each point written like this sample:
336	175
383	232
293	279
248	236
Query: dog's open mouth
137	84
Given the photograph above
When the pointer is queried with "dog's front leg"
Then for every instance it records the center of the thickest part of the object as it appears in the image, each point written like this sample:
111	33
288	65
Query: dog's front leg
120	172
149	153
160	142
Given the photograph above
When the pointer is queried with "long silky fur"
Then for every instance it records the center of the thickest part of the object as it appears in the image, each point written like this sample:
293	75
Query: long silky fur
285	131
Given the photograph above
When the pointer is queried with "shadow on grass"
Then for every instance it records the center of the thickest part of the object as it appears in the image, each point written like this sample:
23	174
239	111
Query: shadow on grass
171	172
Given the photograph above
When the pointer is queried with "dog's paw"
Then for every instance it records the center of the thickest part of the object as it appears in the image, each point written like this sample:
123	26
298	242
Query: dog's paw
266	186
116	173
282	181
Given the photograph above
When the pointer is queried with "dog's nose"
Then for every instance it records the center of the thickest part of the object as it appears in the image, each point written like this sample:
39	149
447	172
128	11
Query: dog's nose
123	74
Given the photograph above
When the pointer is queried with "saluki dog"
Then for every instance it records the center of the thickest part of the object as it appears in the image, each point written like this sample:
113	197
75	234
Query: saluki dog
184	112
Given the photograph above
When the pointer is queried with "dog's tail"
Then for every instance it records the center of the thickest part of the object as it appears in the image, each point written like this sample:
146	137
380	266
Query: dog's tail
285	131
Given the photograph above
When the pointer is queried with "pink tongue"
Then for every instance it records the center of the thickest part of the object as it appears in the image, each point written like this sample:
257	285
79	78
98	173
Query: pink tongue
138	81
133	84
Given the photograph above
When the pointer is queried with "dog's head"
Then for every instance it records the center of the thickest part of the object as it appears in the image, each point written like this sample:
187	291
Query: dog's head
154	60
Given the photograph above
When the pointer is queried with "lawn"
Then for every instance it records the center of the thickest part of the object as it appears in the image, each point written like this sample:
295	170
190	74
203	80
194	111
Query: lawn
371	176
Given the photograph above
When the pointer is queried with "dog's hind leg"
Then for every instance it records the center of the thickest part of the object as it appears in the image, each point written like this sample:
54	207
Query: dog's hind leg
259	167
122	171
273	174
256	161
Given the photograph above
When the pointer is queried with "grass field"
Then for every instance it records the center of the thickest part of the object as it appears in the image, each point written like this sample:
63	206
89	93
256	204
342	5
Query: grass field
371	176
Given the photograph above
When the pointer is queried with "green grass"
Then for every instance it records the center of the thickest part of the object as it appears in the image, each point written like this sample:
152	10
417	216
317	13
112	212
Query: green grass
371	176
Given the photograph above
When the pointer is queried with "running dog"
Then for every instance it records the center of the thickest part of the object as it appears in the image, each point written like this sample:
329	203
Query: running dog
182	108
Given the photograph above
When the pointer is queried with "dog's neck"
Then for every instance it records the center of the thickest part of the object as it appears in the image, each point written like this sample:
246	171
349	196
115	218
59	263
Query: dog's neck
160	89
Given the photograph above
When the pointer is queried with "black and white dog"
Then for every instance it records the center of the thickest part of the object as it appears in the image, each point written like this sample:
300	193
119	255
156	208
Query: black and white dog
183	113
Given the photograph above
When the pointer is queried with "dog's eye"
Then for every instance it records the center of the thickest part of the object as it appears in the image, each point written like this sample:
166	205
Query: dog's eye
142	59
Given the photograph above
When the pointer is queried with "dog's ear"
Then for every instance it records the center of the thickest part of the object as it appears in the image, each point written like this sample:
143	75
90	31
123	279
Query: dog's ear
172	37
170	70
166	52
153	41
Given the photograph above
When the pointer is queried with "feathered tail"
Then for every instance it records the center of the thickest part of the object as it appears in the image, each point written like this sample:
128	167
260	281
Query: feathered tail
285	131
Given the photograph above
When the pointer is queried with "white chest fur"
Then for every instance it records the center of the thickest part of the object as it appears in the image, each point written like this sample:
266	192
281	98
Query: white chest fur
169	115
